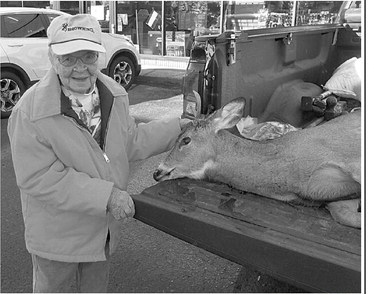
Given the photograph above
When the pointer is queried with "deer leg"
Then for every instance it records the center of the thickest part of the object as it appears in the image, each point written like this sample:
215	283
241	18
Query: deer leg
331	182
346	212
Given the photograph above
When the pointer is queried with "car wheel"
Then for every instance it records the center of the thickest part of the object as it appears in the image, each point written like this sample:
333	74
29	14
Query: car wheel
12	88
122	70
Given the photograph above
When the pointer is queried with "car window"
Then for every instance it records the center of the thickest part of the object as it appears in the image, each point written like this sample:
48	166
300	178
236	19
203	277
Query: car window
24	26
52	16
242	16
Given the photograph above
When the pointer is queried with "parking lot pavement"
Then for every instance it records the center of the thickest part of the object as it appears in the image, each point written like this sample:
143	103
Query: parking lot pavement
156	84
157	109
156	94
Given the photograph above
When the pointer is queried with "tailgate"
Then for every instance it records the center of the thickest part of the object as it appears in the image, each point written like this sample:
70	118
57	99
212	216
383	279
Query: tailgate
299	245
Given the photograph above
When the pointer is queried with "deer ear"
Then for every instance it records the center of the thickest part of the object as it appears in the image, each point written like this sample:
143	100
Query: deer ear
228	116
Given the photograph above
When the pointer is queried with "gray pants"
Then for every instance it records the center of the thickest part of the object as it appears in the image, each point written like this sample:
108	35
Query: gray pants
51	276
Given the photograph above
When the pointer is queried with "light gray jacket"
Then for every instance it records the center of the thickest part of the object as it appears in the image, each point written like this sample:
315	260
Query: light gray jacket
65	177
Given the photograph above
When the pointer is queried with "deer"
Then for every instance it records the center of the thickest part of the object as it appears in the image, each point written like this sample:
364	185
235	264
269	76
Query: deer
318	164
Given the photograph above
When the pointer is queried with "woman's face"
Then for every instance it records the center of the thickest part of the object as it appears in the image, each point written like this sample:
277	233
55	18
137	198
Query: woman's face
78	70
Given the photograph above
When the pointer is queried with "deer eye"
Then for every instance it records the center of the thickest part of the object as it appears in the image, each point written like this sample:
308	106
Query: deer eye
186	140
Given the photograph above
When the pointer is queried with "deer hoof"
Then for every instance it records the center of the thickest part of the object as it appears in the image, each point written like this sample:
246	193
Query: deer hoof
346	212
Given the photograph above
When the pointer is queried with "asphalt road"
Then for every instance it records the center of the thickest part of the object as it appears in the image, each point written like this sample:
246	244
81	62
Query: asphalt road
156	84
147	259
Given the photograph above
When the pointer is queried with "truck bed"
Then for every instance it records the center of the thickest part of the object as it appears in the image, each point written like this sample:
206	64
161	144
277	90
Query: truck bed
300	245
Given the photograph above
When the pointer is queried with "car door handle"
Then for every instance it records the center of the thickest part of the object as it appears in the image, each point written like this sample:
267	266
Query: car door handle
15	45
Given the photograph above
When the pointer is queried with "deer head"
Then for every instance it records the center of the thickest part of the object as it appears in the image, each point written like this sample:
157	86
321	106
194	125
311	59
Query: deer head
194	151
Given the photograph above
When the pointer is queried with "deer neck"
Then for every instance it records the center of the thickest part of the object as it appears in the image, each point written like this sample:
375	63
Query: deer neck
248	165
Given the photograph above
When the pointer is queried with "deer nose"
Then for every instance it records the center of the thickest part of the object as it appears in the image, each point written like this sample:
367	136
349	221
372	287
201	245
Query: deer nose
157	174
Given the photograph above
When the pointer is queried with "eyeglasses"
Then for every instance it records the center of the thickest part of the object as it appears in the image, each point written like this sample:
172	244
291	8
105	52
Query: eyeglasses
69	60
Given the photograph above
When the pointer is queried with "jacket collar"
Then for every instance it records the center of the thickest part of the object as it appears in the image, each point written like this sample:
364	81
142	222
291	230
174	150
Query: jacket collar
48	96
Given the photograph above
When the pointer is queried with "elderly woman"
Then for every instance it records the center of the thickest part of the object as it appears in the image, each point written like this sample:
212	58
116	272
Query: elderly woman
72	143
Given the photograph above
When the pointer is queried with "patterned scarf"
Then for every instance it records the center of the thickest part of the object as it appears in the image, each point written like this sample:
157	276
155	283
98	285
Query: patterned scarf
87	107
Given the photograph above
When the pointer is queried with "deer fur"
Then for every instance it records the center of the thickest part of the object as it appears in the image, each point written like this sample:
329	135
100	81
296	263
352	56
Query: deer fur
314	164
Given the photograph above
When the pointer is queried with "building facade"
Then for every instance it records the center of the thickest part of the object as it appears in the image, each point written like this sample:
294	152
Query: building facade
168	28
164	28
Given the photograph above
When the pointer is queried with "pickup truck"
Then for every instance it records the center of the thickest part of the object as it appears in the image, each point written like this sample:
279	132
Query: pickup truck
300	245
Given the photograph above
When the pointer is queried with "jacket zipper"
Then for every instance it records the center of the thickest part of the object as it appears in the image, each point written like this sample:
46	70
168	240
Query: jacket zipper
85	130
105	136
106	157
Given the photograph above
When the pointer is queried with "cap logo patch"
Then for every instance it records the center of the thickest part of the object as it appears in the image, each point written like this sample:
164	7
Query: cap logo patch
67	28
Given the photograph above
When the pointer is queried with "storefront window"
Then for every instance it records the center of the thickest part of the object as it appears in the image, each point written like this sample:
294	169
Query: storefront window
317	12
126	23
270	14
258	15
176	34
185	20
142	22
11	4
71	7
199	17
36	4
100	10
167	27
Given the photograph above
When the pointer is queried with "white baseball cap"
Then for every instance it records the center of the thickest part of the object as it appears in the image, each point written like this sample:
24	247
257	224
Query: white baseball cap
71	33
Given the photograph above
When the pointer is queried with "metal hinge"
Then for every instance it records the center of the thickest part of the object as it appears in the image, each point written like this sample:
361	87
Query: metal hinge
288	39
231	50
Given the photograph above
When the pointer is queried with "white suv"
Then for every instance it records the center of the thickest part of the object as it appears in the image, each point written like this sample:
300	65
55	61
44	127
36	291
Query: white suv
24	53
